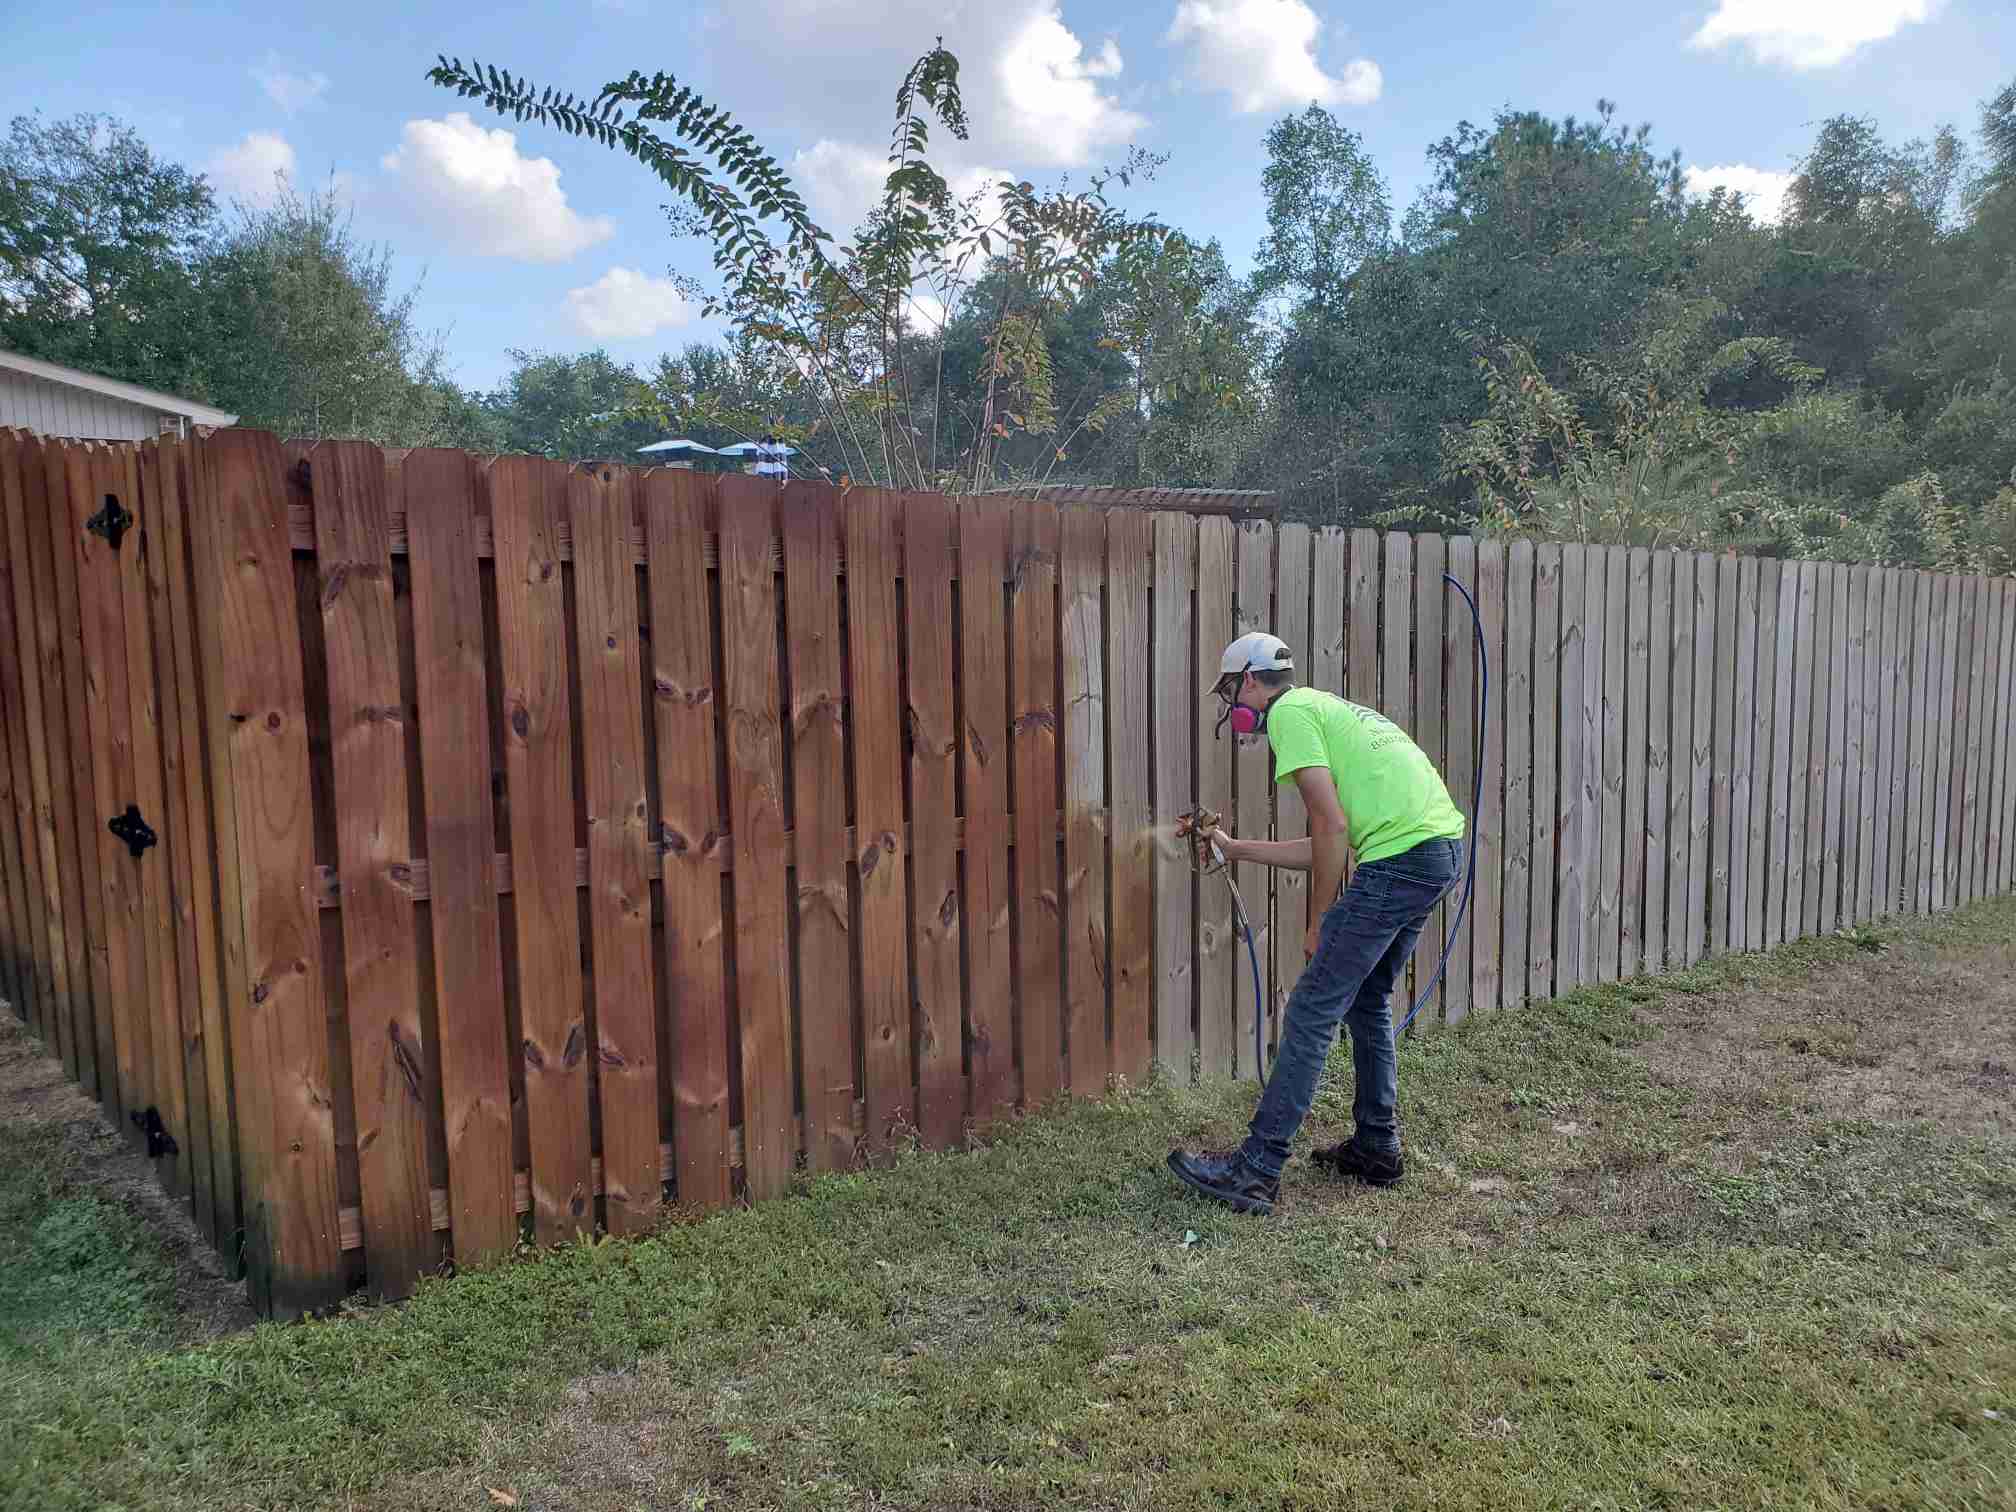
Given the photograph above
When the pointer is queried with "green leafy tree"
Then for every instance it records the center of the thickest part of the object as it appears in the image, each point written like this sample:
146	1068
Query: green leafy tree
1327	210
836	315
98	241
305	334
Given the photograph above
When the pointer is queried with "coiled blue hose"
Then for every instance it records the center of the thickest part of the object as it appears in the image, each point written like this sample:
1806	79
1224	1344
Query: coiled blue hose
1469	881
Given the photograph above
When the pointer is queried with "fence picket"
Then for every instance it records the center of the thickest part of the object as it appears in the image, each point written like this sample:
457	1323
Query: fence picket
280	1031
1291	821
822	904
1460	701
1517	822
1999	739
1975	843
24	919
1633	750
693	824
388	1044
1952	635
1620	634
1396	664
1039	925
1130	563
1082	643
1650	735
983	784
456	765
1573	800
1676	818
1924	741
1431	554
757	794
1545	864
1253	799
1867	653
1787	767
1890	674
1702	799
1832	845
1739	734
1218	950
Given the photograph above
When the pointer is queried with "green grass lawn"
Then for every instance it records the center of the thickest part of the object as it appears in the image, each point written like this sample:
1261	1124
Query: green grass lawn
1736	1238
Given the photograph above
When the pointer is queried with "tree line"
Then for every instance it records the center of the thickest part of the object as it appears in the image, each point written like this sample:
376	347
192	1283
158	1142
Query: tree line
1555	338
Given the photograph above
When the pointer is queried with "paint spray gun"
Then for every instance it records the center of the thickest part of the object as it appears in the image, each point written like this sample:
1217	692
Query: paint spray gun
1201	828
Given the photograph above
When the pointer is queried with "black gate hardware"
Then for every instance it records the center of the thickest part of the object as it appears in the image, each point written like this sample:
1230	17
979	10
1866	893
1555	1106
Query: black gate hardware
133	829
111	522
159	1141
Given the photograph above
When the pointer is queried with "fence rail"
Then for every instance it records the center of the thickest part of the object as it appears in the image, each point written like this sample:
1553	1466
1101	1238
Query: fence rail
518	847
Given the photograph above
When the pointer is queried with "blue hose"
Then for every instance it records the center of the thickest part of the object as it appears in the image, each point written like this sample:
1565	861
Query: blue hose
1469	881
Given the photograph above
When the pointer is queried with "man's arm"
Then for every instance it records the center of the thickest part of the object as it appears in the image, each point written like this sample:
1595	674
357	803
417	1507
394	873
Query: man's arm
1329	842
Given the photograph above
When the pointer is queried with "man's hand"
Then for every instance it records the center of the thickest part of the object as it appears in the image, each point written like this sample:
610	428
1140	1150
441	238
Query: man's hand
1311	938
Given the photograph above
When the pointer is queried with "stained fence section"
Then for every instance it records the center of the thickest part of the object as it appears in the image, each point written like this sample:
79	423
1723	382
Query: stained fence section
418	854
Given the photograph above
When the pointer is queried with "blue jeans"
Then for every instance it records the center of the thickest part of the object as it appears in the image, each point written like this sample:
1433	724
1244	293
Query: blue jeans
1367	936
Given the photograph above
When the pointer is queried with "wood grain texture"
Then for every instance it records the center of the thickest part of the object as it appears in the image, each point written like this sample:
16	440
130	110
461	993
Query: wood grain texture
1891	672
1673	824
29	958
107	697
162	1006
1487	953
1291	819
930	544
2000	738
818	737
1621	637
1130	554
1548	604
756	804
1637	751
1867	819
1518	821
1253	799
1973	837
55	909
452	685
280	1041
1034	547
1948	609
1848	830
1173	690
1216	945
693	823
1701	799
1656	739
1917	836
983	785
528	506
1082	650
1396	662
1460	702
1735	647
179	700
1573	801
1431	560
1788	766
368	722
1834	768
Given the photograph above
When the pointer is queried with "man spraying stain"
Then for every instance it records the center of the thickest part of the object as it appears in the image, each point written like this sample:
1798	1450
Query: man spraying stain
1370	791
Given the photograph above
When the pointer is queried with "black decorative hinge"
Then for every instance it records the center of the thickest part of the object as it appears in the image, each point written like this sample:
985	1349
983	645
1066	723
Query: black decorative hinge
134	830
111	522
159	1141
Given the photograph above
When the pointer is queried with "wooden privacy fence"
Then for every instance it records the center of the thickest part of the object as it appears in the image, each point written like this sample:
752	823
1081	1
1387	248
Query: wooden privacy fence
413	851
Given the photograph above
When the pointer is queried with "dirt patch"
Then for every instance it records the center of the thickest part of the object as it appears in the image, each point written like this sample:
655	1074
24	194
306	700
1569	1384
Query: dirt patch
1908	1035
37	1097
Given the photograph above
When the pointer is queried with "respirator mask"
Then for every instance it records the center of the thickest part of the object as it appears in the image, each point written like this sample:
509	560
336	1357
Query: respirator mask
1244	721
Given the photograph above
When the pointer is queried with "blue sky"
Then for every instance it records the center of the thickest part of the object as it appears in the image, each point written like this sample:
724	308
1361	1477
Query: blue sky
527	238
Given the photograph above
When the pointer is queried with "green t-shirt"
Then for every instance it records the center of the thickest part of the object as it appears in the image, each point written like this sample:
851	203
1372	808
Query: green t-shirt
1391	794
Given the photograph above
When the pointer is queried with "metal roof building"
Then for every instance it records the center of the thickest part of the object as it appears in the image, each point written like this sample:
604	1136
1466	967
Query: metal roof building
53	400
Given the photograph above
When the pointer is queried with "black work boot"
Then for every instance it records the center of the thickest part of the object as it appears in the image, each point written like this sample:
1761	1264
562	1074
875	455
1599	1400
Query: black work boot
1225	1175
1351	1161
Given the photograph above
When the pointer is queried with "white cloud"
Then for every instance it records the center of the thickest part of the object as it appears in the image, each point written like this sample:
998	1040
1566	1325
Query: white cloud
472	186
1763	190
254	168
843	181
1037	93
291	91
1052	93
1263	54
1808	33
626	305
